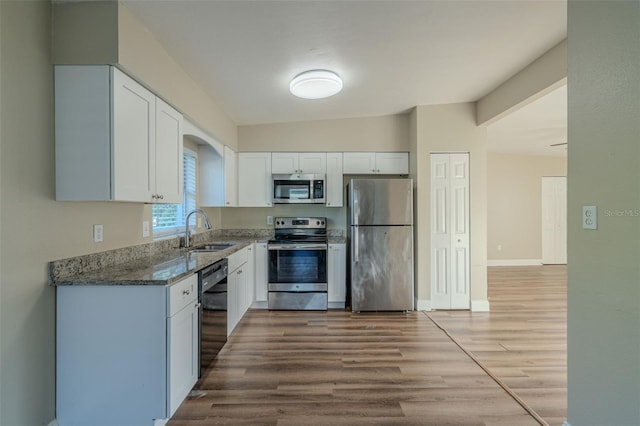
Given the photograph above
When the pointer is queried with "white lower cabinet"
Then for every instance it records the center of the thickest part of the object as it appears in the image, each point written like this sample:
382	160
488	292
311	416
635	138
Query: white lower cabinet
240	286
125	355
336	275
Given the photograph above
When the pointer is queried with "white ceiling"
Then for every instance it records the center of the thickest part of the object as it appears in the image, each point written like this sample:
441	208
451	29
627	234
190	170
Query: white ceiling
392	55
532	129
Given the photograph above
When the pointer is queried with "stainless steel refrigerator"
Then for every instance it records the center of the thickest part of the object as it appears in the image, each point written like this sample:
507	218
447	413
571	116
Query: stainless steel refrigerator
380	213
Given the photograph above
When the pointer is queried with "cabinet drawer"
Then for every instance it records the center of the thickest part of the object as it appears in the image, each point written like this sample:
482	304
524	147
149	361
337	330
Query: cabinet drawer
237	259
182	293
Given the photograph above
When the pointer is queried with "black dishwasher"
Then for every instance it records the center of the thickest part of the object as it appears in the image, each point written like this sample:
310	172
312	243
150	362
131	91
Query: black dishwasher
212	283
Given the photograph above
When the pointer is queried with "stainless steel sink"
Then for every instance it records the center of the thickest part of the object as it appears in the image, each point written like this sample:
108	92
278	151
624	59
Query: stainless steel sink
213	247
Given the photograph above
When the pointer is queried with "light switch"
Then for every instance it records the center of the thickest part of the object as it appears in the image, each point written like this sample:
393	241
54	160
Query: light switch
589	217
145	228
269	220
97	233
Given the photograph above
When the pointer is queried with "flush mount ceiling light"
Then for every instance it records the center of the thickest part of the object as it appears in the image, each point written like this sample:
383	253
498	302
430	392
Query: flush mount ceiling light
316	84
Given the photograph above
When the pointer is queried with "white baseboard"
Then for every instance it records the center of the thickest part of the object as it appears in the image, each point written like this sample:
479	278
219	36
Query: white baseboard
423	305
514	262
260	305
480	305
53	422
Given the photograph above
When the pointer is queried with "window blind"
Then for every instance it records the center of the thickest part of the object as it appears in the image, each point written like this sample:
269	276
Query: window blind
168	219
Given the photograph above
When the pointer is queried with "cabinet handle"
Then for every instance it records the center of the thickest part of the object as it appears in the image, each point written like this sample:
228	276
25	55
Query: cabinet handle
227	203
186	292
154	196
240	271
161	197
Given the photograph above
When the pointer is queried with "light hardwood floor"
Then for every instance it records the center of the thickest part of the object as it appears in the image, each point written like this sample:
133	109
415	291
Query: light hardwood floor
524	339
339	368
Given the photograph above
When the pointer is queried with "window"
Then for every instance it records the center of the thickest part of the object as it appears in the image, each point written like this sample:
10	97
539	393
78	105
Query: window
168	219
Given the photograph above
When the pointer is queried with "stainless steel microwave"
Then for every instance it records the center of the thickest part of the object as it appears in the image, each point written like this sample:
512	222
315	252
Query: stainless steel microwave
299	188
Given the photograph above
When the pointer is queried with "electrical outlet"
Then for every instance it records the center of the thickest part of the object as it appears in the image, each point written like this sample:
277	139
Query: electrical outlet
269	220
98	233
589	217
145	228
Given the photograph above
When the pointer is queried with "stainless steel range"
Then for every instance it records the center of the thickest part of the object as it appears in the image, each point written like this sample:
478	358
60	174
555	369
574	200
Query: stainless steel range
298	264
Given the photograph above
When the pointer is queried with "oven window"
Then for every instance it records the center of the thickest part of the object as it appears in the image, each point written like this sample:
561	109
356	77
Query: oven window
285	189
297	266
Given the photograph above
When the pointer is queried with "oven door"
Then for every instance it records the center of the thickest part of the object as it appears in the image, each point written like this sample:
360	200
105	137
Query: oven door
293	263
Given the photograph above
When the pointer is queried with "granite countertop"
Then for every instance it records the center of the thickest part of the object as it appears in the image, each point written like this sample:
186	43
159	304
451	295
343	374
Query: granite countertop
162	268
158	263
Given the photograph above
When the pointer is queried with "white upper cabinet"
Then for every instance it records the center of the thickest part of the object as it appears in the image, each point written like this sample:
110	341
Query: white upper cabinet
304	162
168	172
334	184
218	177
390	163
230	177
254	179
115	140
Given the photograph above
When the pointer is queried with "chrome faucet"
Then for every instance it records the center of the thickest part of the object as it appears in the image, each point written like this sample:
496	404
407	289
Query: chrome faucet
207	225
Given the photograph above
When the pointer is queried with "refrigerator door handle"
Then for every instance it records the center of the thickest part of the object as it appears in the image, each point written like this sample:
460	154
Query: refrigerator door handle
356	245
356	209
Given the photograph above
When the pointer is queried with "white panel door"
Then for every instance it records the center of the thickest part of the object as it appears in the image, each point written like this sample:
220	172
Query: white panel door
440	238
554	220
450	238
459	213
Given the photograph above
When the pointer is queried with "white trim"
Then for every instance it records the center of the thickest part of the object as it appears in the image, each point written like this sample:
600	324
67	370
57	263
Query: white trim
160	422
514	262
259	304
480	305
336	305
53	422
423	305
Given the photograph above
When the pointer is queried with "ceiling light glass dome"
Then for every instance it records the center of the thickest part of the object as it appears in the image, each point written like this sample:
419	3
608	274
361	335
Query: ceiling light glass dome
316	84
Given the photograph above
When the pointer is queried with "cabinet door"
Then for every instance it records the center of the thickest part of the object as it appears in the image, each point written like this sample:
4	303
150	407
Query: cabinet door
359	162
334	181
336	274
133	143
230	177
232	301
313	162
254	179
183	355
249	279
284	162
261	272
392	163
169	163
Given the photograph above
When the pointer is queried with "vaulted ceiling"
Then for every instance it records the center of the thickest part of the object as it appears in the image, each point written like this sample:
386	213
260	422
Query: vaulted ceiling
392	55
